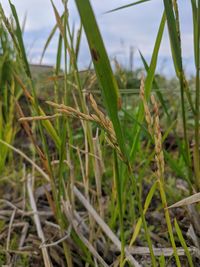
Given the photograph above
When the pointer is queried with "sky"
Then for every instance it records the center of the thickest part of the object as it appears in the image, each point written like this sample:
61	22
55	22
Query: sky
135	27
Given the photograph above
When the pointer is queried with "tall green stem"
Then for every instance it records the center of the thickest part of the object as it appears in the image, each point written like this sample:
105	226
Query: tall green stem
196	158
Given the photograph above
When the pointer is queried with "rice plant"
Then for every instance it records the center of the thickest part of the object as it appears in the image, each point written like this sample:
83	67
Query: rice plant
102	177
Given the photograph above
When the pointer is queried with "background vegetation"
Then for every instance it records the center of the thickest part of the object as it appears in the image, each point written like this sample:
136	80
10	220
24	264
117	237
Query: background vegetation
90	161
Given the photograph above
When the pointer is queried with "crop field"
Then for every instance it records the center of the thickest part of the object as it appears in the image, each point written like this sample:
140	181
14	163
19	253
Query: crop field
101	166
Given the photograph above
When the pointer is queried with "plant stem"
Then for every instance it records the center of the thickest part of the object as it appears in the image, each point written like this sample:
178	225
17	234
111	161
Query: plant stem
196	152
181	81
168	221
147	235
120	207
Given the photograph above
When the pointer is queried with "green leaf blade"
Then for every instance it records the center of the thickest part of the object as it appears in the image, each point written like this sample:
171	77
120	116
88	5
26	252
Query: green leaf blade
102	67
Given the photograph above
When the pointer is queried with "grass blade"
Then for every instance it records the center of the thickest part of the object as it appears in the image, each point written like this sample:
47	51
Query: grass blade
174	38
120	206
197	98
194	13
172	15
20	40
187	201
129	5
51	35
102	66
183	243
148	84
146	205
162	261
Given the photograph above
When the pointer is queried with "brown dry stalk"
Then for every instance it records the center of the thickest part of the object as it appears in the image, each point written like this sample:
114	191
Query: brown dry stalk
46	257
106	229
70	216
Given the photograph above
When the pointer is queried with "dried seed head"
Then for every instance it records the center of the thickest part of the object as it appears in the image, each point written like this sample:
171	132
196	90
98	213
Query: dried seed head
97	117
153	123
158	140
147	113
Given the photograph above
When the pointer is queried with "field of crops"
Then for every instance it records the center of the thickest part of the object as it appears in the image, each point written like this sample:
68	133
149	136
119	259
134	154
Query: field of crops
98	167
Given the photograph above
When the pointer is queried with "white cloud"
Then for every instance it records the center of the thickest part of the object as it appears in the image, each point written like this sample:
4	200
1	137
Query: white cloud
136	26
39	12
